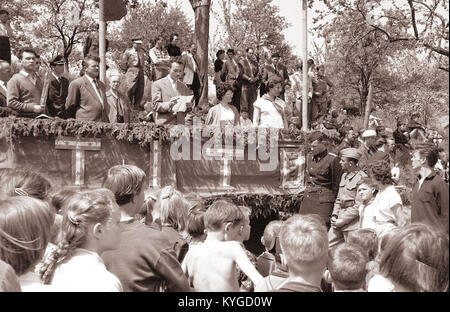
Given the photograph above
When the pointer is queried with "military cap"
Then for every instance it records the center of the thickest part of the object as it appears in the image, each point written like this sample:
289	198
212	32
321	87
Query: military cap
58	60
351	152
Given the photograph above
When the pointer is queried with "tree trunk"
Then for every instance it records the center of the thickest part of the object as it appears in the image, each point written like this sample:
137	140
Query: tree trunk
201	10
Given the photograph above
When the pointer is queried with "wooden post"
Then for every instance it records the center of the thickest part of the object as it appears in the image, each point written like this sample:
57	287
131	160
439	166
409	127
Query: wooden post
78	147
304	110
102	41
368	107
201	10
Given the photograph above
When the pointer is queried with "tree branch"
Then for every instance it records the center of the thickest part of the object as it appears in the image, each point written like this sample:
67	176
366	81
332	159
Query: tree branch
413	19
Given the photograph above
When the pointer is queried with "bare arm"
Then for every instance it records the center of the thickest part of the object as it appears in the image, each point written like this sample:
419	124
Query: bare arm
244	263
256	115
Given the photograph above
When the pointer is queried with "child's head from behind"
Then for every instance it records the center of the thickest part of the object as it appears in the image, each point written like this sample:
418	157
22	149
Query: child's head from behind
304	243
416	259
127	184
225	217
244	232
25	229
90	218
59	199
347	266
195	222
171	208
367	239
271	233
22	182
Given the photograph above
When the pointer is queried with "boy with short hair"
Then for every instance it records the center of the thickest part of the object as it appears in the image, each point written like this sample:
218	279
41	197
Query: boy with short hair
347	267
304	246
215	262
266	261
144	260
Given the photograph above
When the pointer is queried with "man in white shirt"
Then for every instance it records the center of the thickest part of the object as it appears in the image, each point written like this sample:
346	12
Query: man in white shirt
191	78
160	59
5	75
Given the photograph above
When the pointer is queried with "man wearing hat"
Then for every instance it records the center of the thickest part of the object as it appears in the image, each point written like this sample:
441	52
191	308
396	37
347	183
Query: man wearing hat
345	214
57	89
323	173
133	64
276	69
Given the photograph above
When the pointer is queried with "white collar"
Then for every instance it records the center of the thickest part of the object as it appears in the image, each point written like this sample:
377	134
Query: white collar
173	82
57	77
91	80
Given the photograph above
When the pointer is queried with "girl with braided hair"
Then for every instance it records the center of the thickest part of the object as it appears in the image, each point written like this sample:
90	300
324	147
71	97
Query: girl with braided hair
89	227
385	210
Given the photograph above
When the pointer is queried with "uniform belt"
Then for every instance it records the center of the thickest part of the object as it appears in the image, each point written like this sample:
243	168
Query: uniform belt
317	189
347	203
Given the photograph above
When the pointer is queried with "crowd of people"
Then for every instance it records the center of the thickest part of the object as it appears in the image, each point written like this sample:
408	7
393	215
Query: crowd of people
350	232
116	238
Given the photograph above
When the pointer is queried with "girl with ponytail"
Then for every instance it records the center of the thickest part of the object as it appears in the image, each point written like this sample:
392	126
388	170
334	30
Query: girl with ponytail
89	227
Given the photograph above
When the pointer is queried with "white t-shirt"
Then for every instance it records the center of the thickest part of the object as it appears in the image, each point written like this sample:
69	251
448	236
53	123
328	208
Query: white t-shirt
269	117
30	282
226	116
85	271
379	215
3	30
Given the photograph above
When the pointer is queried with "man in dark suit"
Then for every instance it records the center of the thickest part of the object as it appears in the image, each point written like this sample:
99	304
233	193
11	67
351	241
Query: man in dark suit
133	61
164	93
276	69
232	71
172	48
5	74
57	89
249	81
91	47
87	95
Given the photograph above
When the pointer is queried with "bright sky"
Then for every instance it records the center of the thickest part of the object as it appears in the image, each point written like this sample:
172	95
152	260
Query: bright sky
289	9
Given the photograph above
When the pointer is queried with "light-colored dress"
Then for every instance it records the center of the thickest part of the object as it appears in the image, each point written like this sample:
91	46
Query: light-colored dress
85	271
379	215
269	116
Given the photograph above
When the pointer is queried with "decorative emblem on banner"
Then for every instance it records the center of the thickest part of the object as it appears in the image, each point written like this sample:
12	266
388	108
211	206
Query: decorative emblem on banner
292	167
78	147
227	155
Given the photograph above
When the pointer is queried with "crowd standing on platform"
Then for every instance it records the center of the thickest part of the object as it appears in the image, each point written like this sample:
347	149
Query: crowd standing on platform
352	232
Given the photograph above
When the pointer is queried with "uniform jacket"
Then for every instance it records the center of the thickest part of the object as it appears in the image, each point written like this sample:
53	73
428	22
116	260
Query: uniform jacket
344	206
57	95
132	58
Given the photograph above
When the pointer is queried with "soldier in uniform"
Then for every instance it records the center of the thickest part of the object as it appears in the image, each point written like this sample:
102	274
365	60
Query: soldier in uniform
323	175
345	214
133	64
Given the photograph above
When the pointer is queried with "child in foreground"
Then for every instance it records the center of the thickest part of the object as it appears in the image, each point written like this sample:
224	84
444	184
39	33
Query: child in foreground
266	262
215	262
304	245
90	226
347	268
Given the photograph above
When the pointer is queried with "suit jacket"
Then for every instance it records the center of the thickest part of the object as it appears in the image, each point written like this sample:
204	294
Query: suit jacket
162	92
83	102
3	97
232	73
57	95
113	109
249	70
280	71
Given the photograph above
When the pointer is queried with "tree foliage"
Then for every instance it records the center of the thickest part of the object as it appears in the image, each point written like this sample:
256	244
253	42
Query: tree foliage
253	23
418	23
44	24
149	20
